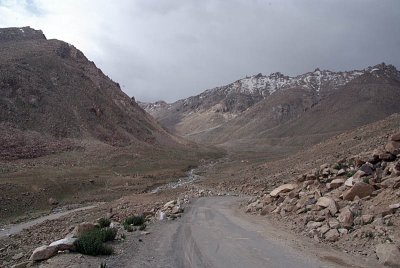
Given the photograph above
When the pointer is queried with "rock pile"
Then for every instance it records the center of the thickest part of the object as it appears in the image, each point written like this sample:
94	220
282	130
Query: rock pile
355	198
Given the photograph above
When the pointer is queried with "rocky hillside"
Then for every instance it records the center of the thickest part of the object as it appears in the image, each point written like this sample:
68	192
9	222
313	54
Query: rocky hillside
52	94
353	203
266	112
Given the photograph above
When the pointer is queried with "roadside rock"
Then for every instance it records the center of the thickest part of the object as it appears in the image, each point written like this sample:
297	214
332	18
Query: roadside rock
328	202
81	229
64	244
170	204
283	189
360	189
332	235
388	254
43	253
395	137
337	183
346	217
393	147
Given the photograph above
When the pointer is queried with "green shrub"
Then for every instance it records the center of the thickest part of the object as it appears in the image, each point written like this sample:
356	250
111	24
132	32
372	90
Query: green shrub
91	245
351	173
108	234
142	227
134	220
104	222
128	227
92	242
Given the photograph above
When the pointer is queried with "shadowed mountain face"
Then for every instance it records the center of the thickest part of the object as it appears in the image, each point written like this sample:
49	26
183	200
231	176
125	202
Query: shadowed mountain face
278	112
51	93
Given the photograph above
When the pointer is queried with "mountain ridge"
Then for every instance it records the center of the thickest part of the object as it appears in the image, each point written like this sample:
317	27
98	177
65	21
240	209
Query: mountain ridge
222	115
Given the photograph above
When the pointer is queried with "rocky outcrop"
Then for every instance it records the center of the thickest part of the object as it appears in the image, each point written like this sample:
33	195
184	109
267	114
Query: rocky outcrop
357	198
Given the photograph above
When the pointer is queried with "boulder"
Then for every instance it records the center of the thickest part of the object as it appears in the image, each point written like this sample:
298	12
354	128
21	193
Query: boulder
360	189
395	137
314	224
337	183
388	254
170	204
82	228
359	174
349	182
341	172
389	182
394	206
176	210
64	244
333	223
393	147
367	168
332	235
52	201
283	189
366	219
329	203
346	217
43	253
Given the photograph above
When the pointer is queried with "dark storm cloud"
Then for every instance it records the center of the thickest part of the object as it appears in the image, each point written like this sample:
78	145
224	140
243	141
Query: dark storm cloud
173	49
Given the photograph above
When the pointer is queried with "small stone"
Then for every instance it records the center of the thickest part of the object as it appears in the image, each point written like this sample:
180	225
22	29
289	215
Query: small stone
349	182
323	229
366	219
393	147
341	172
22	264
328	202
333	223
18	256
52	201
82	228
394	206
332	235
43	253
395	137
170	204
388	254
337	183
314	224
346	217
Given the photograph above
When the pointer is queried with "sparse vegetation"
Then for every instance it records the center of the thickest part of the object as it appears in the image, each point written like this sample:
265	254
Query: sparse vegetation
134	220
142	227
92	243
351	173
104	222
128	227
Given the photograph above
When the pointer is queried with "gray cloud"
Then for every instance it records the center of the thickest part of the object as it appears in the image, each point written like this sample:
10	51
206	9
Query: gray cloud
173	49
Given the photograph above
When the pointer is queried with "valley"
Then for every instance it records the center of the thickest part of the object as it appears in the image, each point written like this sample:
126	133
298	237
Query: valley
236	176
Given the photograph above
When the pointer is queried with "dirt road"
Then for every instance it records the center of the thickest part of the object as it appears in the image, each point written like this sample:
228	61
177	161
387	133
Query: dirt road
214	233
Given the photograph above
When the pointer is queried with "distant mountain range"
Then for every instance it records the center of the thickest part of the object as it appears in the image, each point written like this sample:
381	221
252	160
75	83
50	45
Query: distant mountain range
278	112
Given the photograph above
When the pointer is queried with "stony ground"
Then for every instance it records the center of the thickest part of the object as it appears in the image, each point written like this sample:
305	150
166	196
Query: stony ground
316	202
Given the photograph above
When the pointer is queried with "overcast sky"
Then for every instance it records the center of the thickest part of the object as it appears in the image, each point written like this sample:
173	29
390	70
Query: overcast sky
171	49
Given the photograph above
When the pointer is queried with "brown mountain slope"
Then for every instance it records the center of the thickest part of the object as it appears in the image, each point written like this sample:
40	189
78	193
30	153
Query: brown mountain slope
294	118
68	132
50	87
